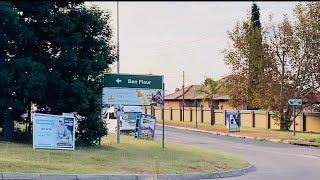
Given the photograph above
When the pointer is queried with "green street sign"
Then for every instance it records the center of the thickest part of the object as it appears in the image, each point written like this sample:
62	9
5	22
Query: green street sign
133	81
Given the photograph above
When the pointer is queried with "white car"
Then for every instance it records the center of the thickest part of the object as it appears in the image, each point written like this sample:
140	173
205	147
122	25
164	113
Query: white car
127	120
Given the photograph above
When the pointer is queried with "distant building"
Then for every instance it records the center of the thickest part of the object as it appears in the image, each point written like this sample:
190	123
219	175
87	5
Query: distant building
175	100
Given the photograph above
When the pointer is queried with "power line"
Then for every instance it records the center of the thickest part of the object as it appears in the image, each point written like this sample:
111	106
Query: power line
206	36
193	46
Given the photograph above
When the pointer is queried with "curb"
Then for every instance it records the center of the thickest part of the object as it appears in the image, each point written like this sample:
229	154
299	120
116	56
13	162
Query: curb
299	143
192	176
232	135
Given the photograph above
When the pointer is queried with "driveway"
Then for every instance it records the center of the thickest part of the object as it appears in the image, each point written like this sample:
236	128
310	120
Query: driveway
275	161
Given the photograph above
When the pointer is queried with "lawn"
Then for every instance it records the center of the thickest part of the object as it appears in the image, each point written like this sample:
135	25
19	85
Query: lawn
131	156
252	132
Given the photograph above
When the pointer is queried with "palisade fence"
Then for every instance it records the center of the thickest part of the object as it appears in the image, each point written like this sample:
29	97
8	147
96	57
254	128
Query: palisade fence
306	121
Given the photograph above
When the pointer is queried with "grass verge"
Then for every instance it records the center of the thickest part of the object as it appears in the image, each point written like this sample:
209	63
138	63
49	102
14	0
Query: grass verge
131	156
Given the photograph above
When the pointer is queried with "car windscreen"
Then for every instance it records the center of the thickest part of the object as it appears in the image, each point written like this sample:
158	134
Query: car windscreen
129	116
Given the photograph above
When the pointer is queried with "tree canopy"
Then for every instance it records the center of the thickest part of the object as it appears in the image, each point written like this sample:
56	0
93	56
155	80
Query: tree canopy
55	57
285	66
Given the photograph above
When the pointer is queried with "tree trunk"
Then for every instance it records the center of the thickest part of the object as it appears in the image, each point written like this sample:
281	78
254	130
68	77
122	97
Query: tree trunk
8	126
285	120
29	119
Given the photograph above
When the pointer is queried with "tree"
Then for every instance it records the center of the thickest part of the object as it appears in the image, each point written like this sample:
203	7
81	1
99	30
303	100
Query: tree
22	78
250	63
294	46
72	45
290	61
208	90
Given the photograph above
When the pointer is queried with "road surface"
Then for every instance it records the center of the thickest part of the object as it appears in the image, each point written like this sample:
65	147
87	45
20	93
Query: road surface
275	161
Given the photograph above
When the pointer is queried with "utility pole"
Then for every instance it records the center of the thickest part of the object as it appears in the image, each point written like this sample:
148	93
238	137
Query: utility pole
183	96
118	69
118	46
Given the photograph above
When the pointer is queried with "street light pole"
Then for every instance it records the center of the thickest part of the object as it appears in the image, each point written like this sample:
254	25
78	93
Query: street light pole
183	96
118	69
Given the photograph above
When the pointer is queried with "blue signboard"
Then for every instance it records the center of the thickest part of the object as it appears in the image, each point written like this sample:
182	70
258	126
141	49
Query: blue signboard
295	102
233	121
145	126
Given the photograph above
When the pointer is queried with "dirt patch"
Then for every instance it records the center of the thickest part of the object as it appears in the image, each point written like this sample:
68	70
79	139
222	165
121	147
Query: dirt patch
137	170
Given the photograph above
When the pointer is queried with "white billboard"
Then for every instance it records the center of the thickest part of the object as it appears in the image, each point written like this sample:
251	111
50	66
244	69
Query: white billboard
53	131
132	96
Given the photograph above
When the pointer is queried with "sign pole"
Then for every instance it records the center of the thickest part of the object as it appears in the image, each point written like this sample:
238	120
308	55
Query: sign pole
294	121
118	69
163	117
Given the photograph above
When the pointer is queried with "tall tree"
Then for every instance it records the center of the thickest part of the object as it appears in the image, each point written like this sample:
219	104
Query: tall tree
22	78
290	60
255	57
72	46
295	49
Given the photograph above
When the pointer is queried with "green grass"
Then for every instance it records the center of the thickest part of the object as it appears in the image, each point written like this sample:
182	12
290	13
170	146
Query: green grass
131	156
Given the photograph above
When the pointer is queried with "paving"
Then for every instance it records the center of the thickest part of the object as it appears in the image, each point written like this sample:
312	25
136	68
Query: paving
272	160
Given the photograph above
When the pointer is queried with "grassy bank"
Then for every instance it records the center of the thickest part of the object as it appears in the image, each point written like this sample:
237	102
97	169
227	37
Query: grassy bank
132	156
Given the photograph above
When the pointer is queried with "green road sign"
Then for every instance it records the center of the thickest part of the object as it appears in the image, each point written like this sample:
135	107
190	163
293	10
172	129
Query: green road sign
295	102
133	81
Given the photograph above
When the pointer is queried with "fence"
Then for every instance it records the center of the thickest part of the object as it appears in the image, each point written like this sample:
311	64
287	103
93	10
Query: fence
306	121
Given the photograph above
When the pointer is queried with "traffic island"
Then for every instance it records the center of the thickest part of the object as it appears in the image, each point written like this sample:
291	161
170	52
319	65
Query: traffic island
188	176
142	158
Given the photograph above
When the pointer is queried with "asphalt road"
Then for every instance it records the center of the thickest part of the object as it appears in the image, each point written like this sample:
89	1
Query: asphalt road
273	161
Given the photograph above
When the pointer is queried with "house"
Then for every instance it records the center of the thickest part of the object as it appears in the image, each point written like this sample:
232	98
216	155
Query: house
175	100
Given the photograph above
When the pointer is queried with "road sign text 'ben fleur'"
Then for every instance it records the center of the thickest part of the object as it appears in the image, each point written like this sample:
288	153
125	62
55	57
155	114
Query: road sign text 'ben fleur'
133	81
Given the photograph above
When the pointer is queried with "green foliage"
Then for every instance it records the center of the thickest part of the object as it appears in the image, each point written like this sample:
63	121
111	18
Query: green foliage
54	55
273	64
255	16
208	89
317	140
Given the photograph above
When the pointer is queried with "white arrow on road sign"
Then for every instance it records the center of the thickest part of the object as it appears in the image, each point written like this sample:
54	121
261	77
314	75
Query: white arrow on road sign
118	81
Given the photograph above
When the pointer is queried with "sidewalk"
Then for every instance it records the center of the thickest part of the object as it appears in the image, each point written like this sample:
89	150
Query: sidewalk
248	133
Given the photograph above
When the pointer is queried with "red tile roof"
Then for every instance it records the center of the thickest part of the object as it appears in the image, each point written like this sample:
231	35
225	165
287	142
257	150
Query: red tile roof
189	94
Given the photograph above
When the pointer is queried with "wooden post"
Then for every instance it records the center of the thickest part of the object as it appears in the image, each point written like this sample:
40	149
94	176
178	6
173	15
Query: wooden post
253	119
268	120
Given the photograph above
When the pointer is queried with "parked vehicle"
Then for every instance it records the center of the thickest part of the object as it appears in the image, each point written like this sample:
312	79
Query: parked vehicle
127	120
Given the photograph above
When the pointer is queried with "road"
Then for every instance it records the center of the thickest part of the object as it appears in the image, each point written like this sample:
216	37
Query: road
276	161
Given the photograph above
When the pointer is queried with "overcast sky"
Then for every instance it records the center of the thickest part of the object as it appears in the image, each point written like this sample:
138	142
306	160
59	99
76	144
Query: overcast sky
165	38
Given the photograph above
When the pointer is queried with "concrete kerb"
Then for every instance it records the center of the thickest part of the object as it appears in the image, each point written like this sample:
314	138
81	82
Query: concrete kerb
231	135
191	176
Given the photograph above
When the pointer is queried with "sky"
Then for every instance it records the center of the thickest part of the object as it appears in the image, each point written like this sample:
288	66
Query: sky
167	38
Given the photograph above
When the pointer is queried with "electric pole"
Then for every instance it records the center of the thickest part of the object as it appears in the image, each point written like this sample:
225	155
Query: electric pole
183	96
118	69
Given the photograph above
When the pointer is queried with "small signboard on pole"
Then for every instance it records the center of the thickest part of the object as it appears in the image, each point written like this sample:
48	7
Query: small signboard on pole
294	102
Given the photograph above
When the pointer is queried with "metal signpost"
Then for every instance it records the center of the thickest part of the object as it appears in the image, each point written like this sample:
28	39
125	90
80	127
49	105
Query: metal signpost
132	89
294	102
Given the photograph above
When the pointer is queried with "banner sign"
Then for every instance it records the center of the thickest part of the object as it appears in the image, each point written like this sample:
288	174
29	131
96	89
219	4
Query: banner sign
131	96
133	89
233	120
148	125
53	131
